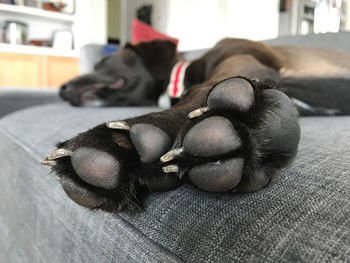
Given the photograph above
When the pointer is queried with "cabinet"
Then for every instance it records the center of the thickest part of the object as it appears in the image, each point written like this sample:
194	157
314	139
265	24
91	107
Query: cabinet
33	70
31	66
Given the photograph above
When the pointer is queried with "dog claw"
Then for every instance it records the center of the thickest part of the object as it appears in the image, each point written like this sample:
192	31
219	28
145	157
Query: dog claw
56	154
48	162
118	125
170	169
171	155
198	112
59	153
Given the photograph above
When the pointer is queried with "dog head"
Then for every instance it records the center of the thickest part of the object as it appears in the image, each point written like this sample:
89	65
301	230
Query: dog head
135	75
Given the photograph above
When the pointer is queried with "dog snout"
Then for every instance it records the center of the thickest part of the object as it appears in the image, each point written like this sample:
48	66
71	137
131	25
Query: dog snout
65	91
64	87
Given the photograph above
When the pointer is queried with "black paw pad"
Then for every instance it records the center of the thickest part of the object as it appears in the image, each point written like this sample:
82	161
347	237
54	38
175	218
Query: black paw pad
234	93
210	137
96	167
149	141
281	127
217	177
81	195
255	182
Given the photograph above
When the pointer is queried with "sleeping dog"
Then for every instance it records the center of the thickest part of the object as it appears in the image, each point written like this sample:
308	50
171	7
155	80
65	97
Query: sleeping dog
233	126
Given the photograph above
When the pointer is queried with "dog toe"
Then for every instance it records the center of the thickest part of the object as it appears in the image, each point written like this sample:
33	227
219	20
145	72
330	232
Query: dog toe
210	137
233	93
96	167
149	141
280	128
81	195
217	176
255	181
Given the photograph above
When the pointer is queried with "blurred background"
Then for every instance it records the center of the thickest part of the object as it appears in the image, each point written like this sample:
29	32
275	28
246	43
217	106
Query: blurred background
42	41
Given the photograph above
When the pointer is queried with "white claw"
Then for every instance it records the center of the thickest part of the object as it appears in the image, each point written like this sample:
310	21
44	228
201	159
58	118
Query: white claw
48	162
170	169
171	155
59	153
118	125
198	112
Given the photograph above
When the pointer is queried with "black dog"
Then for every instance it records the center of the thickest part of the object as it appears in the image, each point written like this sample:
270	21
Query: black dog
231	130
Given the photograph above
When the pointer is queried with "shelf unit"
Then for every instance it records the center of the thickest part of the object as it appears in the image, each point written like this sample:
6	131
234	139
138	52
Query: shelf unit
33	14
37	12
35	50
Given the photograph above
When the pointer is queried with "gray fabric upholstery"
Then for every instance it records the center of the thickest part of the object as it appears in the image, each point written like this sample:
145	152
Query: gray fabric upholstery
339	41
12	99
302	216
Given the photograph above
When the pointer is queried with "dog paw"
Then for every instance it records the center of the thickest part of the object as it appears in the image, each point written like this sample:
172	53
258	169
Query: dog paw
236	141
113	165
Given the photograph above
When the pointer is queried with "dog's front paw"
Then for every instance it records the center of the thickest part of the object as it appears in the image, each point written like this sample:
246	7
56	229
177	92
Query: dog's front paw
238	139
113	166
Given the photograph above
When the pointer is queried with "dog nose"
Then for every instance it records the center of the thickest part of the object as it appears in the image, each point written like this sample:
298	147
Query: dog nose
67	92
64	91
64	87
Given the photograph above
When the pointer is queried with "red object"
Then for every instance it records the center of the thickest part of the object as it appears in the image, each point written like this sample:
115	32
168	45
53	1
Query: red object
176	84
177	77
144	32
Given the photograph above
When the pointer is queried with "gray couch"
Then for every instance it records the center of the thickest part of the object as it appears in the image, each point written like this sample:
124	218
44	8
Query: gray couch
13	99
302	216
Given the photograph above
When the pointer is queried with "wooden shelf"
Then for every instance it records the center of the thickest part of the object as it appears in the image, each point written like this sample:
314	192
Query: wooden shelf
36	12
48	51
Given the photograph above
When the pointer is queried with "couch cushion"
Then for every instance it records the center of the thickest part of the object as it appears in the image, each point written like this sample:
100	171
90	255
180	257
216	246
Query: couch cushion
339	41
303	215
12	99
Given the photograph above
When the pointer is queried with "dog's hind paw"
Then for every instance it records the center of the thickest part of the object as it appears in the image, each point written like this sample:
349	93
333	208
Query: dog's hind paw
237	140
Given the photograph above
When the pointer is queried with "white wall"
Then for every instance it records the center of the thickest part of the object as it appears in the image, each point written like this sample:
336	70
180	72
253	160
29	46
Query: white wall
91	22
201	23
197	23
347	15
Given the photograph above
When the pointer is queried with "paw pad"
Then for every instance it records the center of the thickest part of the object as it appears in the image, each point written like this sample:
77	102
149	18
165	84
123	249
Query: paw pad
233	93
280	127
96	167
81	195
210	137
219	176
149	141
255	181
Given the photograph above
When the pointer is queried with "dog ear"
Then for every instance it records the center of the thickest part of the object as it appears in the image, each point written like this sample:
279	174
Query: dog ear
158	56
